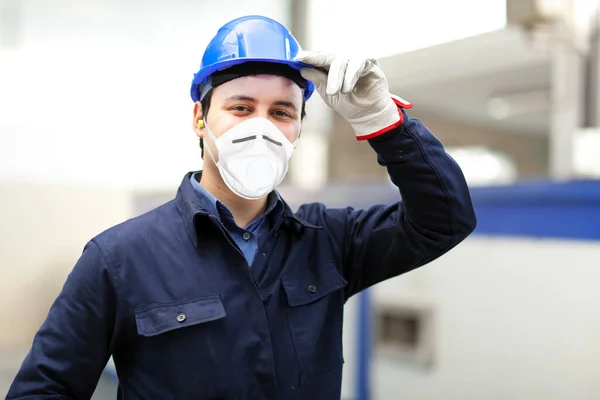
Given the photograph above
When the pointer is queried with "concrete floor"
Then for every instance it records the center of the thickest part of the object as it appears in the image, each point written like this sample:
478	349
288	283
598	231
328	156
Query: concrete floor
10	361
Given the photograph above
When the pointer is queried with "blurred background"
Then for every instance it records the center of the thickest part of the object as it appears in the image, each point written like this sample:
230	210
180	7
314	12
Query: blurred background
95	128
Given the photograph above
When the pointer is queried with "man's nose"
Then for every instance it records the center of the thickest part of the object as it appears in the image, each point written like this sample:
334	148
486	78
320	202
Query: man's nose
264	113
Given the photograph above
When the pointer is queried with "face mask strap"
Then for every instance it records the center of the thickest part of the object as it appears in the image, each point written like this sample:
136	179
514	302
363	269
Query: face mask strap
212	139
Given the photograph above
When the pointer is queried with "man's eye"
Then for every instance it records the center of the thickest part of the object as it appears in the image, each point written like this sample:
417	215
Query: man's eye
240	108
281	113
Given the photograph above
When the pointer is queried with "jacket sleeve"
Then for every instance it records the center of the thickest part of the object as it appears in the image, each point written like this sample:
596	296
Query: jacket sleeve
72	347
434	215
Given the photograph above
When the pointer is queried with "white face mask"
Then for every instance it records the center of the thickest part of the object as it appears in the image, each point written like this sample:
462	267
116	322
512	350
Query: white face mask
253	157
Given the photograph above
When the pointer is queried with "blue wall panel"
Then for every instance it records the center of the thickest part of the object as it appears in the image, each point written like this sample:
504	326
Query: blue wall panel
568	210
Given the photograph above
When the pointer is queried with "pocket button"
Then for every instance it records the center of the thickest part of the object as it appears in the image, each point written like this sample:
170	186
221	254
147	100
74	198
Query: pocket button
181	317
312	288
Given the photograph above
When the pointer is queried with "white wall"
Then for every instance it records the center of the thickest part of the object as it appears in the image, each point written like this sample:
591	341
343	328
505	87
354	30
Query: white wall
43	229
516	319
379	28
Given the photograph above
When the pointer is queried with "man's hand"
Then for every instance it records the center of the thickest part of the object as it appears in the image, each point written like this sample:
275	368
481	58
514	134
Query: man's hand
356	88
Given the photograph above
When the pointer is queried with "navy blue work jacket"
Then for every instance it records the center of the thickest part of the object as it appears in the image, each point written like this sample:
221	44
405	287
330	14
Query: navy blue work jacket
171	297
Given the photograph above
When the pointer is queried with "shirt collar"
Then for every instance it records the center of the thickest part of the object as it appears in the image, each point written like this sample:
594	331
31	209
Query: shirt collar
193	207
210	202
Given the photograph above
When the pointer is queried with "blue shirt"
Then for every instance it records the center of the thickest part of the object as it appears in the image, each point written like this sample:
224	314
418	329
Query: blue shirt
246	239
169	295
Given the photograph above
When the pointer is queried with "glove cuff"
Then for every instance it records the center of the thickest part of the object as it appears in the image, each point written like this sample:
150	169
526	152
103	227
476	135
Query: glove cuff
391	117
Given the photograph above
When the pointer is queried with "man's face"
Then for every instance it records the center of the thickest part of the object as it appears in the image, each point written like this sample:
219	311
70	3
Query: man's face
273	97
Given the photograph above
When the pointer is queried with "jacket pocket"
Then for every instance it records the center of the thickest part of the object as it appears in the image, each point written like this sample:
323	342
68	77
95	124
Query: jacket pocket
155	319
315	315
311	286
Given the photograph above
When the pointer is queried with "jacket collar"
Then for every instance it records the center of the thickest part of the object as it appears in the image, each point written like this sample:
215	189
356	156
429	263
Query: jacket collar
193	207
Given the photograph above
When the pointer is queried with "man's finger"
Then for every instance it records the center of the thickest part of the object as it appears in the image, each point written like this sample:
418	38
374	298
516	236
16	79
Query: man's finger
318	77
317	59
336	75
354	71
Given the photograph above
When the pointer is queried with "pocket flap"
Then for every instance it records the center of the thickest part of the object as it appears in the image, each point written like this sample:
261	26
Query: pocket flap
159	318
312	285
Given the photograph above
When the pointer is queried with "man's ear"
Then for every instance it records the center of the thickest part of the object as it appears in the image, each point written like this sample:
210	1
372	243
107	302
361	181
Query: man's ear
198	121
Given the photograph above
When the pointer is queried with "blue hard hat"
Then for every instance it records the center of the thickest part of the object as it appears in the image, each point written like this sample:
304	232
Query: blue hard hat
246	39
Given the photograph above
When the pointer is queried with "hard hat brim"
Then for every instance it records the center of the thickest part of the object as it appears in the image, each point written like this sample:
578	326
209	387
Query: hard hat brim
206	72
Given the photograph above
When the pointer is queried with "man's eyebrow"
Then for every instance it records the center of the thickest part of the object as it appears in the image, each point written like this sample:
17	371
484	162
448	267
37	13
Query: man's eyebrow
241	97
286	104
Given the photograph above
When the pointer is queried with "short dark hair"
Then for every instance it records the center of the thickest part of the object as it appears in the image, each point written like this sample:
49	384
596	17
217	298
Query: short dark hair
205	103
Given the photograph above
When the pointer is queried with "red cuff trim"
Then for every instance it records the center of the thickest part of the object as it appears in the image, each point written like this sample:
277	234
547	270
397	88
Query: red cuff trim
401	103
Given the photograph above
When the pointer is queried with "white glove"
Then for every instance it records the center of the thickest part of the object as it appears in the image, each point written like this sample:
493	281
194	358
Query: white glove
356	88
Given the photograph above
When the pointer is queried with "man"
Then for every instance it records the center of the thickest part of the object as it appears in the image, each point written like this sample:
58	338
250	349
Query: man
224	292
